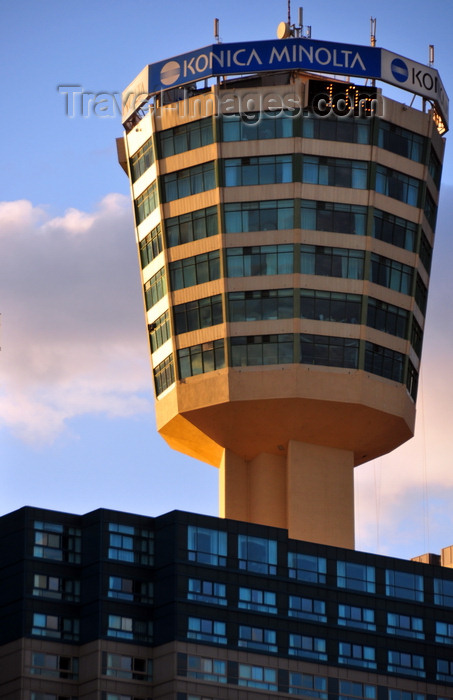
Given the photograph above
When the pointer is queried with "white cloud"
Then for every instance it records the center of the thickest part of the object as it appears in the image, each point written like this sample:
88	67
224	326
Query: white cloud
73	333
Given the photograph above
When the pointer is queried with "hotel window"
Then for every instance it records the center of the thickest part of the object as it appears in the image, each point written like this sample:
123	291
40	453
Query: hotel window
330	351
122	627
330	306
130	589
444	632
421	294
54	666
195	270
151	246
394	230
307	608
130	544
407	695
332	128
260	260
192	226
257	677
307	685
257	554
443	592
160	331
206	591
444	670
307	647
57	542
356	655
335	172
262	350
146	203
387	317
113	696
206	546
257	600
356	577
405	626
185	137
257	638
426	252
334	217
260	305
164	375
401	141
249	126
400	584
55	627
332	262
142	160
408	664
397	185
206	630
305	567
46	586
348	690
391	273
52	696
207	669
199	359
271	215
183	183
201	313
384	362
258	170
352	616
126	667
155	288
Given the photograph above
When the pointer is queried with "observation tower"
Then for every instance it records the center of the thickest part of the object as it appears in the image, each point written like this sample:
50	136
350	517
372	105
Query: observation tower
285	210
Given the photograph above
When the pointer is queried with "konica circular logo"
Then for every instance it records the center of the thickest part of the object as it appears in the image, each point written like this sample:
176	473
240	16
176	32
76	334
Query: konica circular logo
170	73
399	70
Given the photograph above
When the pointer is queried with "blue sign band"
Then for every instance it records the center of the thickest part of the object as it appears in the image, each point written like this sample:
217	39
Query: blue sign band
262	56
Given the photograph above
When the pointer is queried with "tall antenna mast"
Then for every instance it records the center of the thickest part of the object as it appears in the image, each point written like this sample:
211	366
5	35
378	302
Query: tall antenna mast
431	55
373	31
289	12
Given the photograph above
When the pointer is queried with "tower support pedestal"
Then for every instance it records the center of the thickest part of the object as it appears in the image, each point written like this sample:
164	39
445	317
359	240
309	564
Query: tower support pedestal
309	492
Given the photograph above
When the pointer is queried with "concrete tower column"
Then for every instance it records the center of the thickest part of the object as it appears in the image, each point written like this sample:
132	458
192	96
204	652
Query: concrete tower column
309	492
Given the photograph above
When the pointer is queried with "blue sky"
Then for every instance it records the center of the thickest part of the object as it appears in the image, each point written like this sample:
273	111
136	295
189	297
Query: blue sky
77	426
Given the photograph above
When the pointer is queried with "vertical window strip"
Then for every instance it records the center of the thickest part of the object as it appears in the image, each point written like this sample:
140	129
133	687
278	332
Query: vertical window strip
151	246
142	160
146	203
155	288
164	375
159	331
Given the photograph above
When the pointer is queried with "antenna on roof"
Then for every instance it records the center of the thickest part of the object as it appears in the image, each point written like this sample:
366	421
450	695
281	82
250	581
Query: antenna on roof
286	29
431	55
373	31
216	30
